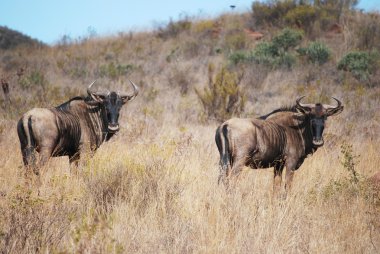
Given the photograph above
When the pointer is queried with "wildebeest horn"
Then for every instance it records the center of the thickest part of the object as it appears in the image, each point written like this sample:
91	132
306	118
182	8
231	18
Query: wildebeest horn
128	97
304	107
89	88
332	110
96	96
91	93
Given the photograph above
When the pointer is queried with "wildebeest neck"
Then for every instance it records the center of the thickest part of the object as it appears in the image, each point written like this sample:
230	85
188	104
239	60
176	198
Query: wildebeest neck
93	118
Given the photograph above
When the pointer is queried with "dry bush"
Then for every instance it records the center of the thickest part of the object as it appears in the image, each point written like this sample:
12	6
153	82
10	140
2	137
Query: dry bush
33	224
362	31
222	98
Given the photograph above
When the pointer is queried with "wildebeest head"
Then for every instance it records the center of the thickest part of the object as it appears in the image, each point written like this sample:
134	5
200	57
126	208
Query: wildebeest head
112	102
317	114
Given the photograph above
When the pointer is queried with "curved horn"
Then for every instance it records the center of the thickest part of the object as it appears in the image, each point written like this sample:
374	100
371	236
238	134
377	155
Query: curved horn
89	88
304	107
127	97
332	110
96	96
91	93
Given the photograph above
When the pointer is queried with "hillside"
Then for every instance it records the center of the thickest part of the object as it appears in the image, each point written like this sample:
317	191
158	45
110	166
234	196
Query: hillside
153	187
10	39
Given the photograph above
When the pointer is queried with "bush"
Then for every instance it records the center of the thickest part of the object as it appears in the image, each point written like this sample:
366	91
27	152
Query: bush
235	40
360	63
239	57
316	52
273	54
173	29
302	16
221	98
365	29
264	13
287	39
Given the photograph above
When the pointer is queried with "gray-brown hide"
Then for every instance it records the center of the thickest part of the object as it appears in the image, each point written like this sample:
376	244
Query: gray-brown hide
281	138
79	125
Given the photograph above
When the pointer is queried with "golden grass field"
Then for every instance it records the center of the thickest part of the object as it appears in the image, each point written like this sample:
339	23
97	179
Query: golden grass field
153	187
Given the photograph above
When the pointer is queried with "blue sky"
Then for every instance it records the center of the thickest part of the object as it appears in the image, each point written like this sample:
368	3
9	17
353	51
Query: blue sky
49	20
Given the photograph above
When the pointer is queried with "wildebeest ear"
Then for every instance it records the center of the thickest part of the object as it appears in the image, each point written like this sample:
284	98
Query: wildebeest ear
97	97
303	110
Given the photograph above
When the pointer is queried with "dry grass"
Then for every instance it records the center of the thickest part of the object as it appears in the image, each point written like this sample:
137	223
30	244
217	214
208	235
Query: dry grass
153	187
161	196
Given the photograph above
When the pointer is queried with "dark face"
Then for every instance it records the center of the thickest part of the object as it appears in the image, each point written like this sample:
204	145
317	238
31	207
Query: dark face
317	125
318	114
112	104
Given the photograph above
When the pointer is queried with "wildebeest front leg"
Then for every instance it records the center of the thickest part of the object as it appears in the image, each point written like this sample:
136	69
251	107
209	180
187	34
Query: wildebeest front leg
277	179
74	159
290	167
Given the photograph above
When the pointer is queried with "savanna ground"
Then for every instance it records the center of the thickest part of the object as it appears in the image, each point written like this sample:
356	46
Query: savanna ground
153	187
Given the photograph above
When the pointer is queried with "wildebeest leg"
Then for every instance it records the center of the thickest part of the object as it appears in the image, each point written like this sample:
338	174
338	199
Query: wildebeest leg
239	162
44	155
290	167
74	162
221	139
278	168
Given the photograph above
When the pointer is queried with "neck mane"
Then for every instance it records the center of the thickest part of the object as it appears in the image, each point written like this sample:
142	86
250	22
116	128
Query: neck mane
281	109
92	114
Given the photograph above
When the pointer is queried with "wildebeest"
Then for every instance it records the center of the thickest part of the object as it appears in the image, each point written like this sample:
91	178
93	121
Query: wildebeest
79	125
281	138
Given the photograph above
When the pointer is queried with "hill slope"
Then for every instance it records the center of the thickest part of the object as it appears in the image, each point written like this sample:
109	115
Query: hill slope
10	39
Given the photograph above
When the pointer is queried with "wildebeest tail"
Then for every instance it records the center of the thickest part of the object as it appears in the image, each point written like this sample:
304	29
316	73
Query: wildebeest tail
27	140
221	139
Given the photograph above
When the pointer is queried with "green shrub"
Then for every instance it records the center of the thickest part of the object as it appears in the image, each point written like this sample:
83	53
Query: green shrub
286	60
265	53
287	39
360	63
277	53
221	98
274	54
316	52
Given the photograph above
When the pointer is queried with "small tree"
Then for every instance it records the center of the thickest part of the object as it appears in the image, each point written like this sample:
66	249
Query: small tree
221	98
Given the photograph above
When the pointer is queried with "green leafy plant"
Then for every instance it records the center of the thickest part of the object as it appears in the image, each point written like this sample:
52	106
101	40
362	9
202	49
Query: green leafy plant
274	54
360	63
287	39
316	52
